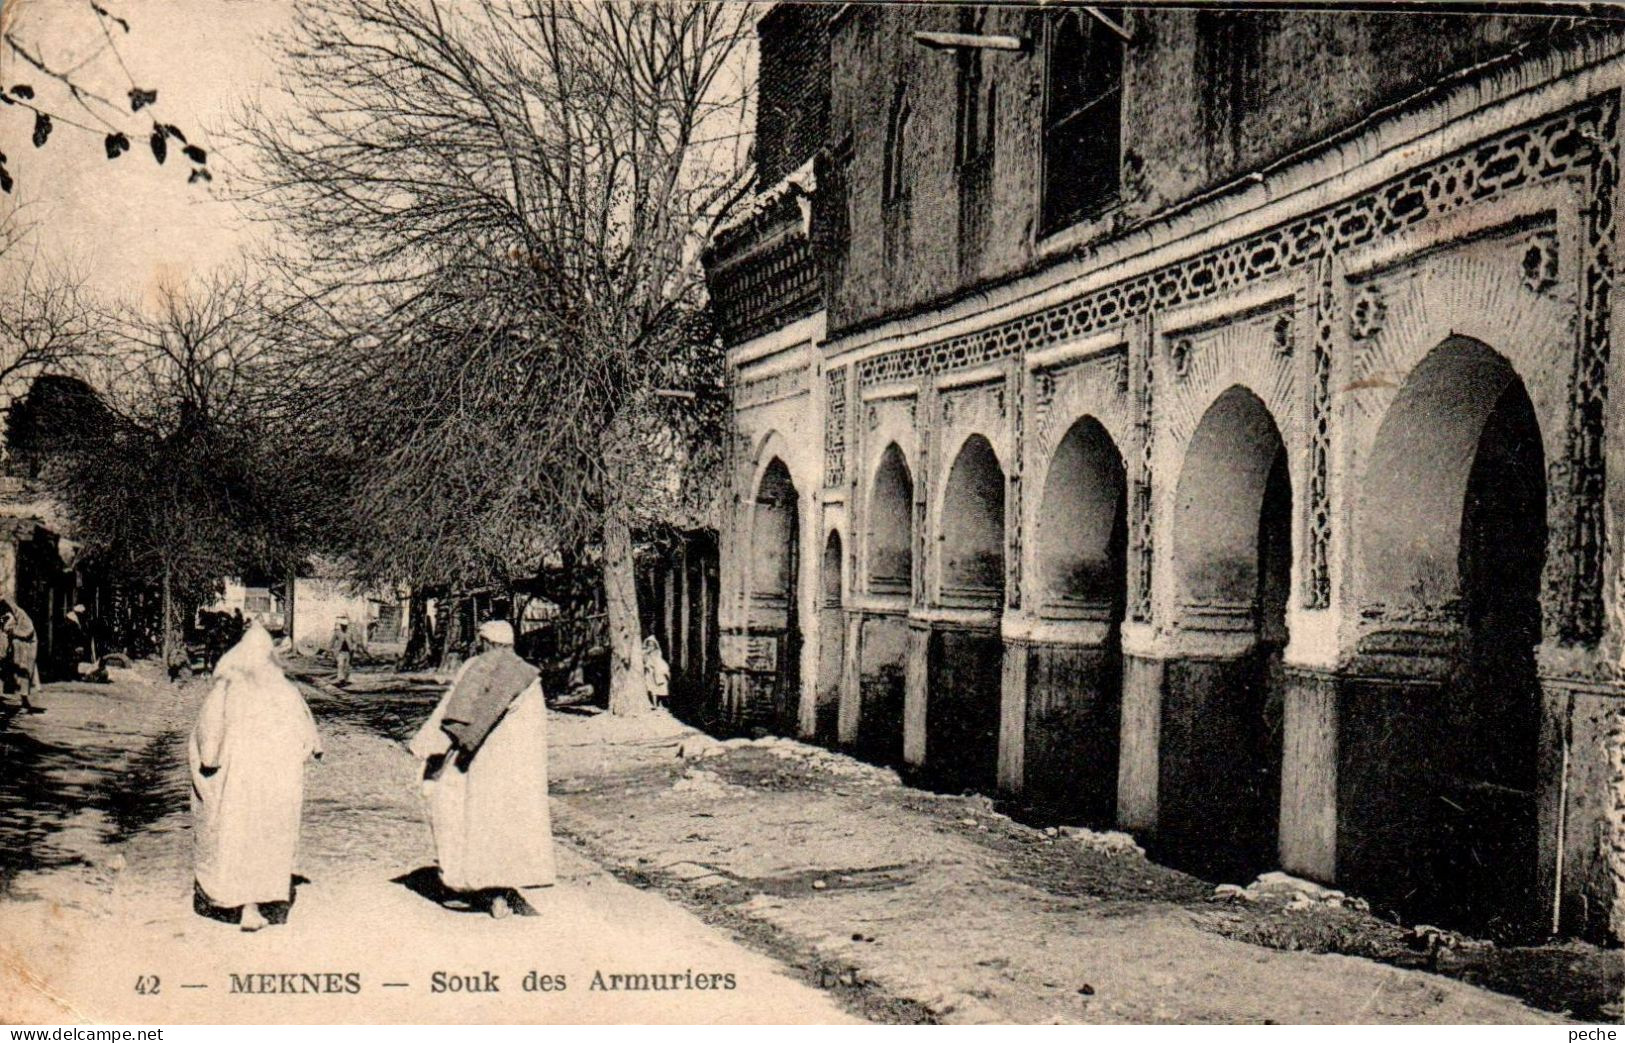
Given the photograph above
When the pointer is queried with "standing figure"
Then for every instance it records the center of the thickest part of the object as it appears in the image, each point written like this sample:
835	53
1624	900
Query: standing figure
72	646
656	672
343	647
254	734
22	651
485	775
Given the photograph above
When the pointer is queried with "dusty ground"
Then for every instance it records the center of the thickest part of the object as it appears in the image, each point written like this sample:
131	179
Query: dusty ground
826	884
97	898
943	902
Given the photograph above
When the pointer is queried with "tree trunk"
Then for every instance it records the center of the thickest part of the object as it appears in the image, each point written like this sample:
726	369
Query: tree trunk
456	638
627	694
164	613
289	608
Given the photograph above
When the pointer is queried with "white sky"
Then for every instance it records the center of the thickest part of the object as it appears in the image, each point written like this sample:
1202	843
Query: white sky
129	223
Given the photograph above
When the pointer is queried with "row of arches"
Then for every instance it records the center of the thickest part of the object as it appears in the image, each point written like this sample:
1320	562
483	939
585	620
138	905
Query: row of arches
1082	558
1450	525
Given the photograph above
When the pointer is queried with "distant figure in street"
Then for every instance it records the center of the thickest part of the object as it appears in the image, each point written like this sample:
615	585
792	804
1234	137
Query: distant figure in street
485	775
72	644
254	734
22	651
656	672
344	644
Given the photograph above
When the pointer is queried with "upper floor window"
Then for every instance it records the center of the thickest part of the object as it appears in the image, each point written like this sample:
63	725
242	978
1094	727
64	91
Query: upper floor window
895	185
1083	93
978	98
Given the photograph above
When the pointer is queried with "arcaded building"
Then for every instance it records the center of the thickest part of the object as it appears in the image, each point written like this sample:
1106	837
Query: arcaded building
1197	422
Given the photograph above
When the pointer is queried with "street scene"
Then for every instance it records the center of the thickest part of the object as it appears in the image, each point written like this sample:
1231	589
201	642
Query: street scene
657	511
681	852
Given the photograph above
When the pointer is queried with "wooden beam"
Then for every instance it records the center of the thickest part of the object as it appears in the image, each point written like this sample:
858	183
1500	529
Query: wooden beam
1100	16
979	40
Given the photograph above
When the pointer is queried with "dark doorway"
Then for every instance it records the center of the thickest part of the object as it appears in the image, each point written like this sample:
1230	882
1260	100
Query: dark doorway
775	612
831	642
1488	816
1074	686
1439	735
966	661
1222	712
1269	698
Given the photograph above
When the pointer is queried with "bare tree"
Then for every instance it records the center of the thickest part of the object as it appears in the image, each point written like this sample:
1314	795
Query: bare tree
50	323
180	476
499	212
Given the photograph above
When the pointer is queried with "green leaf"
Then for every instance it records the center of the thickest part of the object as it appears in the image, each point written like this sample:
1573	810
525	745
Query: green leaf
23	91
195	154
160	147
42	128
140	99
116	145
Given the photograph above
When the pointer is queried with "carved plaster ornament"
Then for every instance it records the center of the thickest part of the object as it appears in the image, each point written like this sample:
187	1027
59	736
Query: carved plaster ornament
1540	262
1282	334
1043	389
1367	313
1179	354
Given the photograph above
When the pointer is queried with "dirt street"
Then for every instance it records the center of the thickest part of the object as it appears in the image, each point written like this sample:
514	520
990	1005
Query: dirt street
827	888
96	921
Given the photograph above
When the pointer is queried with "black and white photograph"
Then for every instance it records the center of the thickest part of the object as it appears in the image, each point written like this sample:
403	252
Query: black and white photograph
791	512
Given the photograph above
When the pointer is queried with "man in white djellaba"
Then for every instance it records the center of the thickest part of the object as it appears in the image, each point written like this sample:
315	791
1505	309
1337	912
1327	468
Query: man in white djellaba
484	754
254	735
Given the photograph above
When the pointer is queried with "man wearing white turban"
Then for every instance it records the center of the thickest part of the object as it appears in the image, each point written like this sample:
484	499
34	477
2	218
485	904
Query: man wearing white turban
484	751
254	734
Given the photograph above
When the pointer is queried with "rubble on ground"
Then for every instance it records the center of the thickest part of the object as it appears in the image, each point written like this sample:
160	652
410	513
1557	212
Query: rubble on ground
1109	841
698	783
698	747
1432	939
581	728
1289	892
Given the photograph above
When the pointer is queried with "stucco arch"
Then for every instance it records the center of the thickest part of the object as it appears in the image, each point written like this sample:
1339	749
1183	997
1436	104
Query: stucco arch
774	537
770	446
889	557
1449	544
970	525
1242	350
1080	529
1228	465
1407	526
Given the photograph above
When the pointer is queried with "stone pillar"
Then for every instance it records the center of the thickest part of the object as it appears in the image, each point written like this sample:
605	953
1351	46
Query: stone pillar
706	613
669	613
1308	827
850	713
1073	723
1580	868
1138	759
1013	717
684	597
916	685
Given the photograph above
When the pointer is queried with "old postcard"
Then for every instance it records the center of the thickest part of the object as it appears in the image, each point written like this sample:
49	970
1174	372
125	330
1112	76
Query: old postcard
658	511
